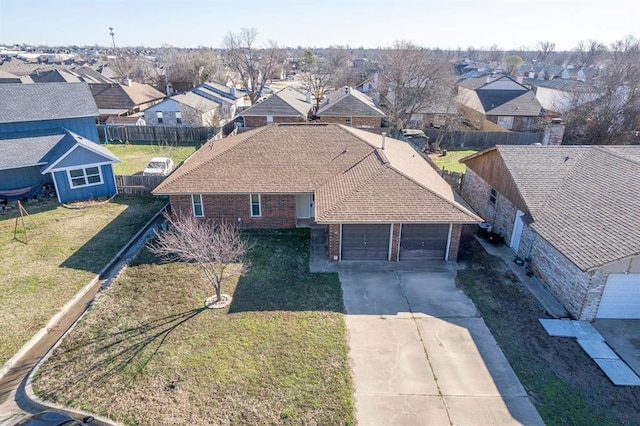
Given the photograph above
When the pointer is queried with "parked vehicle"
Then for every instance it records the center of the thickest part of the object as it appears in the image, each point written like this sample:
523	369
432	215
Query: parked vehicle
158	166
54	418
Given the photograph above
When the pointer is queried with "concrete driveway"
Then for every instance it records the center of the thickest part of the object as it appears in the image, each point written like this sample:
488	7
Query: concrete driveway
420	353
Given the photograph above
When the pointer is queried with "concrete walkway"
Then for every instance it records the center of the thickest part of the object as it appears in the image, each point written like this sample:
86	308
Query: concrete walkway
420	353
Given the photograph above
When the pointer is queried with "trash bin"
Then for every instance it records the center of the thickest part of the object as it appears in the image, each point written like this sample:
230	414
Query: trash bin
483	229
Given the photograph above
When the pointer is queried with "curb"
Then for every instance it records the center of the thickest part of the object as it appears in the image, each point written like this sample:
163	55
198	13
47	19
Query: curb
11	362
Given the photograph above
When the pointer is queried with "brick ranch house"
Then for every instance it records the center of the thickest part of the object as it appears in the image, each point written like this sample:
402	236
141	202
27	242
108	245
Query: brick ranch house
574	212
349	107
379	199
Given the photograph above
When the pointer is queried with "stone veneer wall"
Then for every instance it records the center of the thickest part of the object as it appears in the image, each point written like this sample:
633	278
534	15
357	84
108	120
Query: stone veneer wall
580	292
501	215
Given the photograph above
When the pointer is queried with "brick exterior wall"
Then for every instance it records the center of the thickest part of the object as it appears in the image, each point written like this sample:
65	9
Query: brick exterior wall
333	241
355	121
395	242
260	121
454	245
580	292
278	211
501	215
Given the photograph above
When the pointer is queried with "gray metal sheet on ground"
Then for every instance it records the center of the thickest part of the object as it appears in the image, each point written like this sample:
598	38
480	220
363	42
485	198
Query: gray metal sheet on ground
558	328
597	349
619	372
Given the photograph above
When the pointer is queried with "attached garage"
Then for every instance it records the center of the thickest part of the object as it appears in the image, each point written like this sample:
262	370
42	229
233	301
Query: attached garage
422	241
365	242
621	297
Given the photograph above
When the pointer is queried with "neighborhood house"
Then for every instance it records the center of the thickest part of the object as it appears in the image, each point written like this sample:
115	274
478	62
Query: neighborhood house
47	139
570	212
377	196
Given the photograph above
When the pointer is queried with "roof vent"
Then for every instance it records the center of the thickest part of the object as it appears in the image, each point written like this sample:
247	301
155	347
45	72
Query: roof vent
384	138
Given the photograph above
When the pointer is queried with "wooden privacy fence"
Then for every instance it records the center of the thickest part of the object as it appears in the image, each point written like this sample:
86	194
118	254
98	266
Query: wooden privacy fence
454	179
482	140
109	133
137	184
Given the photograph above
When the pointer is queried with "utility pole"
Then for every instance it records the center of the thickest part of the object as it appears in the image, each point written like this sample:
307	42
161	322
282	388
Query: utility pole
113	39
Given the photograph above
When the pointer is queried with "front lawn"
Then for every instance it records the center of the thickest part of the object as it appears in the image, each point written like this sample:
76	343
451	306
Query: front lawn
136	155
148	353
450	161
64	250
566	386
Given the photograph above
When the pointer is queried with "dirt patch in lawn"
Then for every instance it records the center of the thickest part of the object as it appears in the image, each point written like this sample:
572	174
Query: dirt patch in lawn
566	385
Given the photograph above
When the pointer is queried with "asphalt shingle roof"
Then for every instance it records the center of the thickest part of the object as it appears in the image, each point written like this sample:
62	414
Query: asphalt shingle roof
348	102
120	96
287	102
41	147
55	101
353	179
585	200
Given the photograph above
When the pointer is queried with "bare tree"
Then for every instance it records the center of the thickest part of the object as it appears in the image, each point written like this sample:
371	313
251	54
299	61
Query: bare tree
545	48
253	65
610	110
587	53
414	80
217	248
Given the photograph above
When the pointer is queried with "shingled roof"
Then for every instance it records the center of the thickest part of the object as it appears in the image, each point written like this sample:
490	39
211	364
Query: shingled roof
348	102
55	101
120	96
584	200
354	180
287	102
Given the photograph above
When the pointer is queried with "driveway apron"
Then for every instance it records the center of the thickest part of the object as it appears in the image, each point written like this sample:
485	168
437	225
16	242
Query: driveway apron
421	354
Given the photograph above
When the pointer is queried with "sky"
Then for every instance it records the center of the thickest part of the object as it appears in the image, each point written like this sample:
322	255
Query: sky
447	24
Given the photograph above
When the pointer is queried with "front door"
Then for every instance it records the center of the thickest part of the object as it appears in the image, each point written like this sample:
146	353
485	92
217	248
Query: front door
304	206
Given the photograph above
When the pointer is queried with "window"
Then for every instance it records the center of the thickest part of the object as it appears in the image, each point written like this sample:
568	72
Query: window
159	116
196	201
269	119
494	196
85	177
505	121
178	117
255	205
347	121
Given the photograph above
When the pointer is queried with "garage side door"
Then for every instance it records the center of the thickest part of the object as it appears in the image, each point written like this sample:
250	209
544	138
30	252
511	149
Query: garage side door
621	297
423	241
365	242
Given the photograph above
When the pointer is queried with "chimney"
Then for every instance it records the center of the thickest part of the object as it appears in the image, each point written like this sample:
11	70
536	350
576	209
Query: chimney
384	138
553	132
126	82
308	97
520	79
233	91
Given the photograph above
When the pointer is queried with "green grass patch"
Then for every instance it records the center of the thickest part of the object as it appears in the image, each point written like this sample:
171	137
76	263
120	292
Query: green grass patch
134	156
148	353
450	161
64	249
566	386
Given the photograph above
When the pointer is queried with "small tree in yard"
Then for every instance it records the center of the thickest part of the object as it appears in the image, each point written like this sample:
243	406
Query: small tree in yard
217	248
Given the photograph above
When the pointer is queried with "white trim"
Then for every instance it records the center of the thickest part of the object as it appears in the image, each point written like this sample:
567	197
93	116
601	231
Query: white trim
52	166
84	175
446	253
55	185
251	205
193	205
62	169
113	175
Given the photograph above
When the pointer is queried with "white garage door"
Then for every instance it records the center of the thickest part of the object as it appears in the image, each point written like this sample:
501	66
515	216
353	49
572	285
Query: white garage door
621	297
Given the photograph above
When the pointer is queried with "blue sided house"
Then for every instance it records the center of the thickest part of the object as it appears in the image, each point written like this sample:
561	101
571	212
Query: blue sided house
48	139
